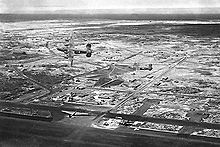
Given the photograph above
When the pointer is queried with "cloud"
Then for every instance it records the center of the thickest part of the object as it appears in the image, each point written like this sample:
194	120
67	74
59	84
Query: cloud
209	3
13	6
102	4
37	5
20	5
2	6
66	3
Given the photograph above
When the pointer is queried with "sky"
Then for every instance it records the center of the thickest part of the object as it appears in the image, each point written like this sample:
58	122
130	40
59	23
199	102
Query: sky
34	6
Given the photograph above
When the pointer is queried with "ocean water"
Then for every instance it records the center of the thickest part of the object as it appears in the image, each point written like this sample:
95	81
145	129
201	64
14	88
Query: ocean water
29	17
188	24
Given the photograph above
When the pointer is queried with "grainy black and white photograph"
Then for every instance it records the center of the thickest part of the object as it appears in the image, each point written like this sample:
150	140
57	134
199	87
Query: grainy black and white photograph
109	73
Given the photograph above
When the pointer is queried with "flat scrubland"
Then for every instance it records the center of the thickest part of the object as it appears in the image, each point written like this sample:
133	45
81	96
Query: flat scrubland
34	69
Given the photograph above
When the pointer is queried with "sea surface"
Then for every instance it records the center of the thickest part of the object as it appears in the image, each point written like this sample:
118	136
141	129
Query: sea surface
29	17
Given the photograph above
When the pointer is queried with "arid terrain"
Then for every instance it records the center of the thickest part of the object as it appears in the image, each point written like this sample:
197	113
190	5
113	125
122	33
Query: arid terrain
183	84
